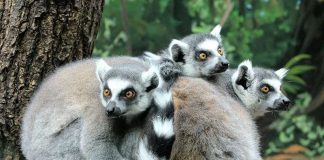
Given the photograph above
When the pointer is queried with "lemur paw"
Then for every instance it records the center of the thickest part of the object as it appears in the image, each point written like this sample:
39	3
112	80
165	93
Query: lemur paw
169	70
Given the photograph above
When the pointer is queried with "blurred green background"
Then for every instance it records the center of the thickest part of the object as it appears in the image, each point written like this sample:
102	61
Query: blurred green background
271	33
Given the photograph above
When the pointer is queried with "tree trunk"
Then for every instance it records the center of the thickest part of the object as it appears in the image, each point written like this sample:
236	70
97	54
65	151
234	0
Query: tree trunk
310	39
35	38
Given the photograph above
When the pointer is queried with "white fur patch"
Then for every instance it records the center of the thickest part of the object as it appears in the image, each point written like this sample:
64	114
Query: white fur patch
210	45
151	56
246	63
162	98
163	127
144	153
148	75
116	85
216	30
183	45
101	69
281	73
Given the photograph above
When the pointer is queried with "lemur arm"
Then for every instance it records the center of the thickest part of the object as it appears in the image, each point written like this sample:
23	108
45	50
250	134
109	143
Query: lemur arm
98	142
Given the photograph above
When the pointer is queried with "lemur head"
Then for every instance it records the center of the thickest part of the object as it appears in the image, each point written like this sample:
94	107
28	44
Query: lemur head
200	54
125	91
129	91
260	89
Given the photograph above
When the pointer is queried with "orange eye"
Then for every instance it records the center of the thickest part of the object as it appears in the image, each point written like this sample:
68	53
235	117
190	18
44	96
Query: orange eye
130	94
265	89
202	56
106	92
220	51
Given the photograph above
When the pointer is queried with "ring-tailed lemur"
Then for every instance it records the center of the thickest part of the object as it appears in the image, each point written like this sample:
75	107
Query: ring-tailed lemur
215	134
190	53
66	120
210	124
199	55
258	89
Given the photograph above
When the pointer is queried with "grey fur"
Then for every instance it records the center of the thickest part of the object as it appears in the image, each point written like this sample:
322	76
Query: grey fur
251	97
66	119
209	124
185	52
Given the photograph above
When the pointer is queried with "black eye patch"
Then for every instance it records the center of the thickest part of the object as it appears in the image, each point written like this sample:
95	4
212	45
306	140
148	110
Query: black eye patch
122	94
202	51
267	85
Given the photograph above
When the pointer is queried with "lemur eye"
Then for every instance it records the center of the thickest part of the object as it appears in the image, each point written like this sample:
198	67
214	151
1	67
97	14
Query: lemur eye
265	89
202	56
130	94
106	92
220	51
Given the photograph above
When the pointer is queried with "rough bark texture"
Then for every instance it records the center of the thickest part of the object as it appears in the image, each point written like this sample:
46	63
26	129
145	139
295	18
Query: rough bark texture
36	36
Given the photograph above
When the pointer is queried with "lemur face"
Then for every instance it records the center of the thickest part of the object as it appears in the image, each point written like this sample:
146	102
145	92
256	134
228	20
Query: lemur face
260	89
200	54
125	92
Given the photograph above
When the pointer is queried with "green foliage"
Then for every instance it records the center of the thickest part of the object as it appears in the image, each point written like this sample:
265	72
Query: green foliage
294	127
257	30
151	25
295	82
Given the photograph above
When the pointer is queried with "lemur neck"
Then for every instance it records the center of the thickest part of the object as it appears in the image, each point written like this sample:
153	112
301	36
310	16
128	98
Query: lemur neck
224	80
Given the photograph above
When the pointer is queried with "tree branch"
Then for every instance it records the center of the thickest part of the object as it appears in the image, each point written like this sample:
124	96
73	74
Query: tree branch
124	16
228	10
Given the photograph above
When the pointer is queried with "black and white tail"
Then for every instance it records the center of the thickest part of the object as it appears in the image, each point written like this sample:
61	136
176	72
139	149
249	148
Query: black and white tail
158	138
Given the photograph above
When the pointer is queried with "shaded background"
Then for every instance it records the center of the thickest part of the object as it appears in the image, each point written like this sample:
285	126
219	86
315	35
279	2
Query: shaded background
271	33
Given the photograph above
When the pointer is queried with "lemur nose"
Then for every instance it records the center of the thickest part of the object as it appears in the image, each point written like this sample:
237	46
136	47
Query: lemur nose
225	64
286	102
115	111
111	111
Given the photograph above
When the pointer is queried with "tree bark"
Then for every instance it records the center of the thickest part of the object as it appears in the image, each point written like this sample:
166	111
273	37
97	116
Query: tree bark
35	38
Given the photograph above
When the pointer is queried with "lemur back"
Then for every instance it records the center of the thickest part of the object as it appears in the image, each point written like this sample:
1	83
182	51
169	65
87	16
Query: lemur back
66	119
209	124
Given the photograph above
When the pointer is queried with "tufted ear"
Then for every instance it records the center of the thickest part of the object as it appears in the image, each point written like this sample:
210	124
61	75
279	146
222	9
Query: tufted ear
177	50
101	69
150	57
244	74
150	79
216	30
281	73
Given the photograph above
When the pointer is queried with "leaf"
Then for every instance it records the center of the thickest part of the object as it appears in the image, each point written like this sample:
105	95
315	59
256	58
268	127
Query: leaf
295	79
291	88
311	135
304	142
296	59
300	69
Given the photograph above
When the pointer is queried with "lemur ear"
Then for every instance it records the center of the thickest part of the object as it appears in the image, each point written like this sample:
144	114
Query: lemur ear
151	57
101	69
178	49
216	30
244	74
150	79
281	73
